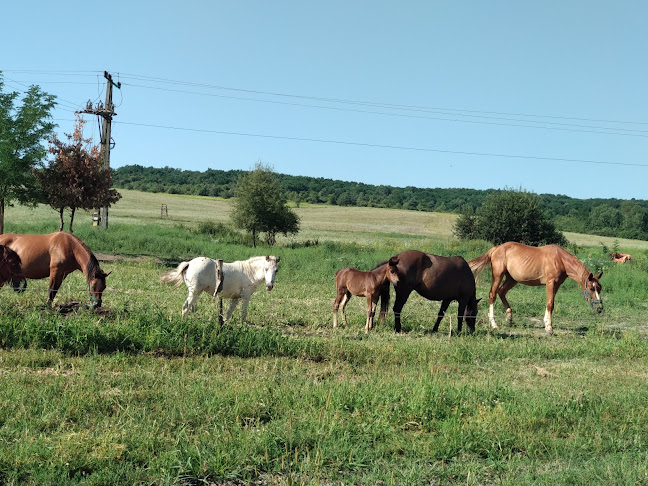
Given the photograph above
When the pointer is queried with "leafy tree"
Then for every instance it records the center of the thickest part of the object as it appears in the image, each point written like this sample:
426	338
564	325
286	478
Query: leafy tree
23	129
77	177
509	216
605	216
466	224
260	205
635	218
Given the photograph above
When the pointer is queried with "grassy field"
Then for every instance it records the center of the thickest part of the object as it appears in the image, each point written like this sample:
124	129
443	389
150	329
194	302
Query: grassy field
137	395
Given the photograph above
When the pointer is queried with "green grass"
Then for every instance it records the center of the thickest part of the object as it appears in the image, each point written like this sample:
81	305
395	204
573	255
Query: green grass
137	395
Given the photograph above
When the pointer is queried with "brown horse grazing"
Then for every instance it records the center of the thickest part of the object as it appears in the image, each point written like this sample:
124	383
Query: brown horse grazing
435	278
55	256
372	285
10	265
546	265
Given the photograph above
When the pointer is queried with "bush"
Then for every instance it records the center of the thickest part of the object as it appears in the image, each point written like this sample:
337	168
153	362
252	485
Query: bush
509	216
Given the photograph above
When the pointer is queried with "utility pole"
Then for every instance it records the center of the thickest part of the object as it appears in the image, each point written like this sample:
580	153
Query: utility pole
106	112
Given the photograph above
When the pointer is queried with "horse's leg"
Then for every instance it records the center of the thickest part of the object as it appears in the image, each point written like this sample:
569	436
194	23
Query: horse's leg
345	301
552	288
401	298
492	295
372	301
384	303
55	282
231	309
244	306
341	294
507	285
461	312
190	303
442	310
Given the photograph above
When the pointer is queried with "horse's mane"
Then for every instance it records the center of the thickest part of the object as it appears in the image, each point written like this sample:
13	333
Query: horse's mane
379	265
92	267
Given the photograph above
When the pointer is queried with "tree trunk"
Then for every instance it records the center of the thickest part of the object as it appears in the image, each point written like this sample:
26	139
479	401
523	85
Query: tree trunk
253	237
61	218
2	206
72	210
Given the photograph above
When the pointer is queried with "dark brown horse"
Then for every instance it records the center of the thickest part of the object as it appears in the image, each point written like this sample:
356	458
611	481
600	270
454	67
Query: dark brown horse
548	265
10	265
435	278
55	256
372	285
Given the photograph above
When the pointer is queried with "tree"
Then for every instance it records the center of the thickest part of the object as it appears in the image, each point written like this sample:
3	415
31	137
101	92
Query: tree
604	217
23	129
466	224
509	216
77	177
260	206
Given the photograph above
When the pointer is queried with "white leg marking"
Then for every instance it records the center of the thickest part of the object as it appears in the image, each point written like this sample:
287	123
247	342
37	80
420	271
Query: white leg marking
491	316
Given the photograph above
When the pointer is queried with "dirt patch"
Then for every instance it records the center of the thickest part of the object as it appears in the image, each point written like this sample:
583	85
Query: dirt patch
105	257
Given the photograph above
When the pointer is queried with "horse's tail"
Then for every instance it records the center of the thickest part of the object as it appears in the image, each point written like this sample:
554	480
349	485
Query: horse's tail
176	276
477	265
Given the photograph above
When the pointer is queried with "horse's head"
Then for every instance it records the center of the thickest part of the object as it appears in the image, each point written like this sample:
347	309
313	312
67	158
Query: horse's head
10	265
392	270
592	292
96	287
270	270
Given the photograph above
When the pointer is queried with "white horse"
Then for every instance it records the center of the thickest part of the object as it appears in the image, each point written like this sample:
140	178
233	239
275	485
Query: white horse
239	280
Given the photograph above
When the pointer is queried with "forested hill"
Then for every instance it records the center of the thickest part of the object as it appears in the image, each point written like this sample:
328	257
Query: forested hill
612	217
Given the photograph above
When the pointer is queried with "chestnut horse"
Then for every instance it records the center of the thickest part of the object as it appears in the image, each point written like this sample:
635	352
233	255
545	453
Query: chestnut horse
372	285
55	256
435	278
10	265
549	265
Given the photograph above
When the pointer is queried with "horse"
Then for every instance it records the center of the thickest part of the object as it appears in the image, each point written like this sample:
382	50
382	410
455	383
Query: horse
240	279
549	265
435	278
373	285
10	265
56	255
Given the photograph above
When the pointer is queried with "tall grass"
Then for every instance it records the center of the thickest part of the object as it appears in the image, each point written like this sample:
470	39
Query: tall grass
137	395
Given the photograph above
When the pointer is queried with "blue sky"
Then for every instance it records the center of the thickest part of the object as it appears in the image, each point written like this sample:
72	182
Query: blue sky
548	96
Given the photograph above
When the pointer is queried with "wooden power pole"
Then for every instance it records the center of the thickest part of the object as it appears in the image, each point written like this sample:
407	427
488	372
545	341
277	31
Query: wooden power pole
106	112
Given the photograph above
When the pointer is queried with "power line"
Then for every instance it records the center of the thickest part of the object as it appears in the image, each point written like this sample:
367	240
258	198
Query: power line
402	107
394	147
370	103
582	129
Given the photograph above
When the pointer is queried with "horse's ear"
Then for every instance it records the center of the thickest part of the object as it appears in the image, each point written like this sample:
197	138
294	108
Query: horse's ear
267	258
599	276
278	259
106	274
393	261
478	301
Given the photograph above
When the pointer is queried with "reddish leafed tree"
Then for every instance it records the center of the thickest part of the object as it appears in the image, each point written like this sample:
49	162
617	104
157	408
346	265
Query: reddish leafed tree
76	178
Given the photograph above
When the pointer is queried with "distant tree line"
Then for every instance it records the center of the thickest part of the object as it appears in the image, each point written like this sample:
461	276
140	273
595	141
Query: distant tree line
608	217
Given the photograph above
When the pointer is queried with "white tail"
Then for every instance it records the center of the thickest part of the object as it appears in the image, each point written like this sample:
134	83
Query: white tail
176	276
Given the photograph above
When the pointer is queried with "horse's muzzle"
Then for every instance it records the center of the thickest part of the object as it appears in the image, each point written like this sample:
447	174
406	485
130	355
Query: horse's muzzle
269	287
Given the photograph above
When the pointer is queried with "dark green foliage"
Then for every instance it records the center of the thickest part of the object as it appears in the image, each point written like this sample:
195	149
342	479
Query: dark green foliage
23	130
260	206
568	214
509	216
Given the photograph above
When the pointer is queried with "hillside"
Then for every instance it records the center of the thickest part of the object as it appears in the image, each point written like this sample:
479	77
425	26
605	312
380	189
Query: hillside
608	217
